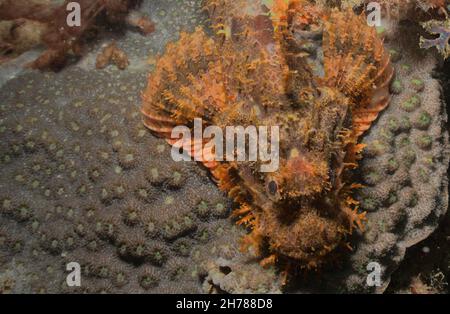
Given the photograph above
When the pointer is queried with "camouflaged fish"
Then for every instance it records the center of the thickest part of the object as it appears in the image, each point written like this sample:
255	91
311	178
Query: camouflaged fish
322	75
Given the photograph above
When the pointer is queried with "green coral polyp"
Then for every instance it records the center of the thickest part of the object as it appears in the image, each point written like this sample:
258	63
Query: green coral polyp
423	121
373	177
387	134
23	213
396	87
220	210
202	209
395	55
425	142
409	156
418	84
148	281
157	256
392	165
151	229
403	141
406	68
376	148
120	279
412	103
369	204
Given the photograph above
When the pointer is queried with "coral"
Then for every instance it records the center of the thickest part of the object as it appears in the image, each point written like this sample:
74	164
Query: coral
427	265
56	132
404	135
401	209
71	203
441	28
431	14
60	38
263	71
112	54
234	273
76	194
400	9
148	279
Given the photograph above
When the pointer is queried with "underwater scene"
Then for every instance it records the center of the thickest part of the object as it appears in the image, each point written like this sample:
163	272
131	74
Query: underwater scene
224	146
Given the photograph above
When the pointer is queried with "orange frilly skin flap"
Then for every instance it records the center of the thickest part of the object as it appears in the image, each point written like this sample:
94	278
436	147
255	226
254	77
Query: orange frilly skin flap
357	64
186	84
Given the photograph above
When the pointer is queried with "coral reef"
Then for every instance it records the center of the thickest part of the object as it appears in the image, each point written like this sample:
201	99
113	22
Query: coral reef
83	180
404	171
253	75
442	29
403	204
428	261
406	146
75	189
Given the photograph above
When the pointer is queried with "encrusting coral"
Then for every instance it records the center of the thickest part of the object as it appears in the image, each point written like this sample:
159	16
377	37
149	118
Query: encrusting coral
299	68
72	190
404	169
442	29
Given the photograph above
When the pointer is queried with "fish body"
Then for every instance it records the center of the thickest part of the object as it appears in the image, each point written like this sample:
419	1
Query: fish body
321	75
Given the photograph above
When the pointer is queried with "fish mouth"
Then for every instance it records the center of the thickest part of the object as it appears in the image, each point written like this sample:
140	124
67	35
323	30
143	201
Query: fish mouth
303	235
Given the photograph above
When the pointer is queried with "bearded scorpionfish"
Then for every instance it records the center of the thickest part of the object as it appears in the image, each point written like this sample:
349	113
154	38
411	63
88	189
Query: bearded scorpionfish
320	74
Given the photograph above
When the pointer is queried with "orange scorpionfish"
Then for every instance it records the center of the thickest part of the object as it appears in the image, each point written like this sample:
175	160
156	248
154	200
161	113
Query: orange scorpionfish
320	74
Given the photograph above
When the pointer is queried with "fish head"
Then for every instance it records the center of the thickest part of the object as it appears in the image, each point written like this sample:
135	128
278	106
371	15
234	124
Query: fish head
298	176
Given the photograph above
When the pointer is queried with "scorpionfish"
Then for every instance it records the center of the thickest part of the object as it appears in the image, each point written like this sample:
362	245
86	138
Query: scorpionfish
322	75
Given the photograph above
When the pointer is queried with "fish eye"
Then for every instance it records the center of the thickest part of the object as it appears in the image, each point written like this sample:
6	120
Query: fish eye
273	187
